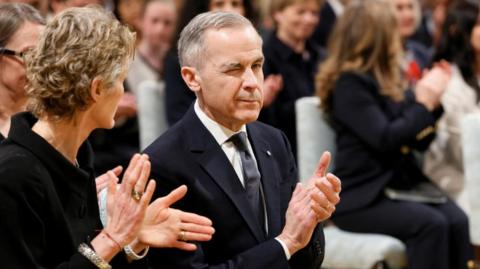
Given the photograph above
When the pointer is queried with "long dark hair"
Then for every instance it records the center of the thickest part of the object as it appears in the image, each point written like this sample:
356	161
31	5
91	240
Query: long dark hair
455	45
192	8
12	16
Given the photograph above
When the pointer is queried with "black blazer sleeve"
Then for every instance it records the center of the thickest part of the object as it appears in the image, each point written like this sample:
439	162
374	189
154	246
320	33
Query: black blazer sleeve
384	125
23	230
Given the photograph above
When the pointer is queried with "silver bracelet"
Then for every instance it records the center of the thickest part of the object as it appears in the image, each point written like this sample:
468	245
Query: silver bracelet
92	256
134	256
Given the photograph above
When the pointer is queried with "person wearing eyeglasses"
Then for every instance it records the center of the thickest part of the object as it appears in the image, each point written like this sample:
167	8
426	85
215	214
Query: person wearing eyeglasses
49	212
20	26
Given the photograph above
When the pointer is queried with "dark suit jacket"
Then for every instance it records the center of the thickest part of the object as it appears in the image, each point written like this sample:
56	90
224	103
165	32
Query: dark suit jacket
188	154
375	138
47	205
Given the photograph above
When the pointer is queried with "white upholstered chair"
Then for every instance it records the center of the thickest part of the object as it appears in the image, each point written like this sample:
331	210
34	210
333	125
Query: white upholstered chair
343	250
471	164
152	119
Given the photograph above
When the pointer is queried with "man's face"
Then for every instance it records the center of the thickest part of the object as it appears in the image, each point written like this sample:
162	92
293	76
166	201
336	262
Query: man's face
230	76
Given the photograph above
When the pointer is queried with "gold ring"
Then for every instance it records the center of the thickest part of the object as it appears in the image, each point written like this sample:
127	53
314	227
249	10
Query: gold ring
136	195
182	236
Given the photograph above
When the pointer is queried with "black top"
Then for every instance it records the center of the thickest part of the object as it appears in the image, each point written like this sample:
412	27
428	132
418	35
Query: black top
47	205
2	138
375	139
298	73
178	97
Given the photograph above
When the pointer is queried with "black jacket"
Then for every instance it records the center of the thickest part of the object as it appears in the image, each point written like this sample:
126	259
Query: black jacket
375	139
188	154
47	205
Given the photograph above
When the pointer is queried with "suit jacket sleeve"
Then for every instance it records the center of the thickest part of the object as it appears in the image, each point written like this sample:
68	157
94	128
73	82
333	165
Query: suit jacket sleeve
357	104
311	256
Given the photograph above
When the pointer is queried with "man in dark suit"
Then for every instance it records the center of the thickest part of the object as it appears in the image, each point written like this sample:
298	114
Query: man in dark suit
240	173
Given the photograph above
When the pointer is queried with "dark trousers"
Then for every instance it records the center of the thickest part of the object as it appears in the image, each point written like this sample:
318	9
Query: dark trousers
436	236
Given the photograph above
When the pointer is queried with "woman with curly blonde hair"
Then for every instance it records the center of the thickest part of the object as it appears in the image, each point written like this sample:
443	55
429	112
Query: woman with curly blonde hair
378	122
49	214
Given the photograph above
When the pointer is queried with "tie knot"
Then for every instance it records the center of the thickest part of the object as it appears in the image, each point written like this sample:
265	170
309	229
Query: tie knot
239	140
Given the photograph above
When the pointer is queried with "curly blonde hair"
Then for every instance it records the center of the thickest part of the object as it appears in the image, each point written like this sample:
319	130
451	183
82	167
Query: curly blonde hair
364	40
77	46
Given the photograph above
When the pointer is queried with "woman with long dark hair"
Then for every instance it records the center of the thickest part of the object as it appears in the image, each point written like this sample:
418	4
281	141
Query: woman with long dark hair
379	123
459	45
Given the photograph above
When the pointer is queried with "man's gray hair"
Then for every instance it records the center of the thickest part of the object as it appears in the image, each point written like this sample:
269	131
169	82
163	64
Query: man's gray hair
190	44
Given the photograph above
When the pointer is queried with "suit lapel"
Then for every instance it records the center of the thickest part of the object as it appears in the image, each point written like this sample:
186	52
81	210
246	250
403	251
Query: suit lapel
270	179
214	161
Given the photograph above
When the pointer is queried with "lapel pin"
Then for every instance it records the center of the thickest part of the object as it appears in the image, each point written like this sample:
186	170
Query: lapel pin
269	153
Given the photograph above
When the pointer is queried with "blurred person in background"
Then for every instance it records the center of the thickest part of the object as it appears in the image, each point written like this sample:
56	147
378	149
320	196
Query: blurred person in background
157	22
40	5
416	55
59	5
116	146
20	27
330	11
459	45
291	58
378	123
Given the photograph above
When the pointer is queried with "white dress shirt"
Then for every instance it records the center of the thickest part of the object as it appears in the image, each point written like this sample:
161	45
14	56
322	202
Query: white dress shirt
221	134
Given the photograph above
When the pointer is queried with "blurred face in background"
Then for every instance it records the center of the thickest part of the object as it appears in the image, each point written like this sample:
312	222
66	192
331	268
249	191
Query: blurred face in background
158	23
12	68
235	6
40	5
475	39
406	17
299	20
59	5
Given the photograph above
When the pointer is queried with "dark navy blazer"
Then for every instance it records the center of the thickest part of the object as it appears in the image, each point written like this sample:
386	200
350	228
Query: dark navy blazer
375	139
188	154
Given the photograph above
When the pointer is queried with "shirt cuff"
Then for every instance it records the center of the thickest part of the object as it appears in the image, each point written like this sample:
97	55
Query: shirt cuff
285	249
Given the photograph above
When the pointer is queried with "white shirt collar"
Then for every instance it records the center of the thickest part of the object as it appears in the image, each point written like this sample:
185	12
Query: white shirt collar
219	132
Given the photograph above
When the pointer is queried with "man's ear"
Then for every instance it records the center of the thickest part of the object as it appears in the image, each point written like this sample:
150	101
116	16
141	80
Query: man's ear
191	77
96	89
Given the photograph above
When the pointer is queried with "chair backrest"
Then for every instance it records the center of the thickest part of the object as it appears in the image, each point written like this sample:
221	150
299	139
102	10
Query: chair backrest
471	164
314	136
151	111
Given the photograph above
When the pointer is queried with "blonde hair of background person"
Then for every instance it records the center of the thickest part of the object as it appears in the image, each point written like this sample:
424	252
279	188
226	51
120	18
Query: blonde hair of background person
377	50
376	133
75	77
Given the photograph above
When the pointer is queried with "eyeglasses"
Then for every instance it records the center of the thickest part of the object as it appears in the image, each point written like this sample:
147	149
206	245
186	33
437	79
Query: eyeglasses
5	51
